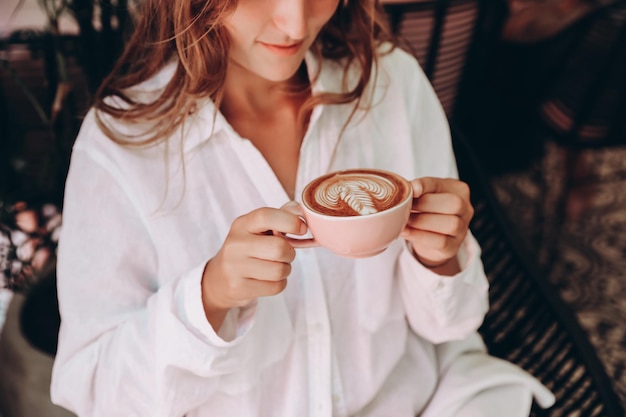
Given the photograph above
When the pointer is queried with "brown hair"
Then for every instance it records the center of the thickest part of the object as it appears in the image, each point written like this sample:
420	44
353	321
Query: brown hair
192	32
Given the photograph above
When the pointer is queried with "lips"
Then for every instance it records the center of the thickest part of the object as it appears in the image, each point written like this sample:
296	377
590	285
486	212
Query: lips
282	49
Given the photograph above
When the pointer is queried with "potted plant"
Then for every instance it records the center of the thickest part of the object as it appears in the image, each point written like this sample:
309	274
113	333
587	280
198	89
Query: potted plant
31	188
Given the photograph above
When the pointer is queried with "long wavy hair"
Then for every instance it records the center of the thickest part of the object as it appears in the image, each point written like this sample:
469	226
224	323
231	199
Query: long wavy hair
192	33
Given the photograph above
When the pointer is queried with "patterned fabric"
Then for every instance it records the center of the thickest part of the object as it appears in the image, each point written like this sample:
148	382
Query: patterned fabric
28	241
583	254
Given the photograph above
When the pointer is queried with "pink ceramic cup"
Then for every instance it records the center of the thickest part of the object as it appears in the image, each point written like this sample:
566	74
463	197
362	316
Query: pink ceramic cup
357	236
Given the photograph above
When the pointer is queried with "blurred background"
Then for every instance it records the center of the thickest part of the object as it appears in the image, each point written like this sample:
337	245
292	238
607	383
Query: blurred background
536	86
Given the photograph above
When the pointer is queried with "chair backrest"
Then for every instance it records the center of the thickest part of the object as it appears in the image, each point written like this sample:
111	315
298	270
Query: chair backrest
439	34
528	323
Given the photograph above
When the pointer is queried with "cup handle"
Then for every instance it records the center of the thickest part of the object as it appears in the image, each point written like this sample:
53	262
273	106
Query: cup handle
299	243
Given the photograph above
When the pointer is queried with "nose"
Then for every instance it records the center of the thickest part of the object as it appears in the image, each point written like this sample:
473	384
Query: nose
290	18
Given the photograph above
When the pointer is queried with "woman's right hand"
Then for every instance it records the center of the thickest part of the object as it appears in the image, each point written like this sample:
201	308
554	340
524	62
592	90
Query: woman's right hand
253	262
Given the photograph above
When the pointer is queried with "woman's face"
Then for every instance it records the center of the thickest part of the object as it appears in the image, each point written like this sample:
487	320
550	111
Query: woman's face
270	37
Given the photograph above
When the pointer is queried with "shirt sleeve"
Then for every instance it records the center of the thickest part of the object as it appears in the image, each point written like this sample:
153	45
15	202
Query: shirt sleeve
133	343
438	308
441	309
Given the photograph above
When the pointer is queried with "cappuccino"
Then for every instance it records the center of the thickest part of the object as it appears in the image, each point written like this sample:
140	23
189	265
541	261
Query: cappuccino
355	192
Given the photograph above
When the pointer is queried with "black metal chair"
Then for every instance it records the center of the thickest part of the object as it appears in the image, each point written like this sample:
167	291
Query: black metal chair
528	323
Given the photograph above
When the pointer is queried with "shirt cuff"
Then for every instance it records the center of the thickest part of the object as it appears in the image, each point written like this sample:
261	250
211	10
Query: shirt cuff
442	308
236	325
468	256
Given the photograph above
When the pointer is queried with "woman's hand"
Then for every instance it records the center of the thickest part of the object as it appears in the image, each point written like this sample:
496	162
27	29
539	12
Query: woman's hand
253	262
439	222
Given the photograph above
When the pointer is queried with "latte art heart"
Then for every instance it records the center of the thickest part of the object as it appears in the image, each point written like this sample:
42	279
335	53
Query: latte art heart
356	194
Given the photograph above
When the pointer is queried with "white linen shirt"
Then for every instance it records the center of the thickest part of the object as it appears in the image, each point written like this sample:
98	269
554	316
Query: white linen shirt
347	337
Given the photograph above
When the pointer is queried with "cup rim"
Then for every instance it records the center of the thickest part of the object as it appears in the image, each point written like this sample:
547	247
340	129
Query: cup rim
401	204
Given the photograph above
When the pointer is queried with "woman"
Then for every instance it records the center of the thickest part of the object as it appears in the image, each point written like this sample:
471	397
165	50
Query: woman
174	298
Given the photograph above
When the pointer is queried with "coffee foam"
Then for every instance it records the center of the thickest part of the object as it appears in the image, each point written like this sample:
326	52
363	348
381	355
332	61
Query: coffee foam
355	193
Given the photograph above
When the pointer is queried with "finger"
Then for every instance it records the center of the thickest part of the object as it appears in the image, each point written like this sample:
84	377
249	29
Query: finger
445	224
264	288
241	291
264	270
263	247
261	220
293	207
432	185
444	204
431	245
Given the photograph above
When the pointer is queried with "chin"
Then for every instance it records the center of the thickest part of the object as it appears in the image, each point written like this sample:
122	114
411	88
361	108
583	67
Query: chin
278	75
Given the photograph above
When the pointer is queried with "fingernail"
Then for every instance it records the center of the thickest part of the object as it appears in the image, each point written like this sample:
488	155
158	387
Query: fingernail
303	227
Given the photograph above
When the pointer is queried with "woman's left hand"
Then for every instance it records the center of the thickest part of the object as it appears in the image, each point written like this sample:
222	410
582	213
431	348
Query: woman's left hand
439	220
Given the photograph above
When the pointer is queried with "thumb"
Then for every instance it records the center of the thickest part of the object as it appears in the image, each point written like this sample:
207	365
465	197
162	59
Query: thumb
418	187
434	185
293	207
